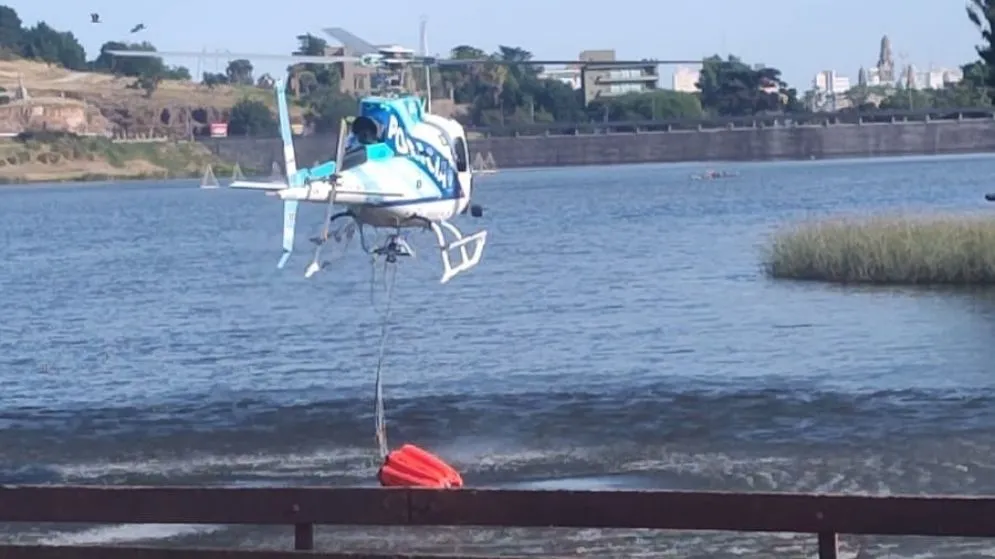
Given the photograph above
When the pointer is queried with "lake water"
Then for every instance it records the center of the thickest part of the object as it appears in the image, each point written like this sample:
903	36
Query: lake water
618	333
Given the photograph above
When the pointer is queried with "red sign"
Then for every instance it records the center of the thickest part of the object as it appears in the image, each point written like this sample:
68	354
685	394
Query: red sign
219	129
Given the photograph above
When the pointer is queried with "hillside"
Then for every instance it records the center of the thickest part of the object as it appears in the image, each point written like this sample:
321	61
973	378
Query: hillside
126	107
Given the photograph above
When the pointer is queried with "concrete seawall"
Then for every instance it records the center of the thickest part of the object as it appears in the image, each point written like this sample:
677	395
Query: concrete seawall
737	144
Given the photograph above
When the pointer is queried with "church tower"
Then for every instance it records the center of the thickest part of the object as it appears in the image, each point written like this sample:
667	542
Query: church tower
886	65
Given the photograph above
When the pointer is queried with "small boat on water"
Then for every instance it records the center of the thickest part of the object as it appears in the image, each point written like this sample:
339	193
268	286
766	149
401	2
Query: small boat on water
713	174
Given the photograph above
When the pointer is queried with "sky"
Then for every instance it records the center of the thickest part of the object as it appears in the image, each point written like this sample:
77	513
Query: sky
799	37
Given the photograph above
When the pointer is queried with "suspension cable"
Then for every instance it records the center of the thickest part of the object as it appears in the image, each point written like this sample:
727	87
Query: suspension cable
380	420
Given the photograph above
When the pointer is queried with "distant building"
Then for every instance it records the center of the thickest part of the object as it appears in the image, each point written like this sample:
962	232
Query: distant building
874	78
939	78
569	75
910	77
829	92
611	81
829	81
686	79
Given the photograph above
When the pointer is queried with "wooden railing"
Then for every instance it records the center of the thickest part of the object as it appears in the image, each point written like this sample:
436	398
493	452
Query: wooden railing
823	515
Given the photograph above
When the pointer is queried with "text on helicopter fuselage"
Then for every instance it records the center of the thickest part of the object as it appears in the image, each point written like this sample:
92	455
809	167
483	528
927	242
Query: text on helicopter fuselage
434	162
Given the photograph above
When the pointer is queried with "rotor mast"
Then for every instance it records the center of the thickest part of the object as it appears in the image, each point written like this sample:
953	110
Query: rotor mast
423	36
393	64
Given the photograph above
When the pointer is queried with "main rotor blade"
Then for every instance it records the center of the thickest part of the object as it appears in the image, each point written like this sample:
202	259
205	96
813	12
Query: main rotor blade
301	59
417	60
350	41
606	63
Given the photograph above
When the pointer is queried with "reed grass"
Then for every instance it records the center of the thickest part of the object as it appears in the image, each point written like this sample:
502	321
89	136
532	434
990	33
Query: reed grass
925	250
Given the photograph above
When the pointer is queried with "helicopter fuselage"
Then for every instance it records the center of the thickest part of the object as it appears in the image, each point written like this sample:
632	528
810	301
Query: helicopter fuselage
401	167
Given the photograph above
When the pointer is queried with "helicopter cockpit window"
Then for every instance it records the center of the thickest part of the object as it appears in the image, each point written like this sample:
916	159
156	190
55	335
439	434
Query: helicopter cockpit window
366	130
462	157
354	157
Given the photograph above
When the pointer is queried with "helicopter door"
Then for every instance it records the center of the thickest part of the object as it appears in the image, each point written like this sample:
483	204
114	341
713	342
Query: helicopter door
462	162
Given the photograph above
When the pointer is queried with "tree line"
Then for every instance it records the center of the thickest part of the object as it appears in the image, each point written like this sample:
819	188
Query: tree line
506	95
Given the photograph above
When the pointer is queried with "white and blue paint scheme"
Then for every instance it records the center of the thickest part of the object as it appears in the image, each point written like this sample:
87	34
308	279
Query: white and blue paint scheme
402	167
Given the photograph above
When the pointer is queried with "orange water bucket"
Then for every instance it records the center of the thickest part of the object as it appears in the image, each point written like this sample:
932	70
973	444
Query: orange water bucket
410	466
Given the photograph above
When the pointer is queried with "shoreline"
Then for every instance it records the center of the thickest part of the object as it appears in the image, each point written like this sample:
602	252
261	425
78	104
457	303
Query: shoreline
71	159
221	170
83	177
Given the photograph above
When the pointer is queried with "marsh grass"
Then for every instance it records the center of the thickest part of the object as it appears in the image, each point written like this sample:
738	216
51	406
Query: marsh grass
925	250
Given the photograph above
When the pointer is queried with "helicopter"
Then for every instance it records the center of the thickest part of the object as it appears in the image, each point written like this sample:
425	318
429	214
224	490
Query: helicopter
397	167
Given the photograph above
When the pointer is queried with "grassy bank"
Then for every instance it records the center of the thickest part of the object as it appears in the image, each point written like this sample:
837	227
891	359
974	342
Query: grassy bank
953	250
77	159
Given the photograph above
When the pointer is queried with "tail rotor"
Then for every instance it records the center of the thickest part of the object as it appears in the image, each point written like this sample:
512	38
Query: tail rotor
290	171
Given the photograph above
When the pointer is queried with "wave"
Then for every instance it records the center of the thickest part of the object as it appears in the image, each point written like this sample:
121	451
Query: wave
527	433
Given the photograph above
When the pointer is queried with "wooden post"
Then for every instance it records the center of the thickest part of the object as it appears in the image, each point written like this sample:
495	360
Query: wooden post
828	545
304	538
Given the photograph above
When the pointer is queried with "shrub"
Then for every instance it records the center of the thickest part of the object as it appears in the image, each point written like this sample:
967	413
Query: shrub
887	250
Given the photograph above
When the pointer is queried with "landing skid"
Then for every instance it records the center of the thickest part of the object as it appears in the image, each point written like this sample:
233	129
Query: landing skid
471	247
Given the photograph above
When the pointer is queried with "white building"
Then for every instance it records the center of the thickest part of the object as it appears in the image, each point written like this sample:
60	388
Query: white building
686	79
829	81
940	77
936	78
570	76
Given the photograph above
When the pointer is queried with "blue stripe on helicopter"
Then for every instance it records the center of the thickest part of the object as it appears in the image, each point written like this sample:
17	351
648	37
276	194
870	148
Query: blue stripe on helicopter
318	172
432	164
378	152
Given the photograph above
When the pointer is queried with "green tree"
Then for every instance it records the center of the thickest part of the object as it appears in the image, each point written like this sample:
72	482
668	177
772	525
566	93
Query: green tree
11	30
239	72
460	79
952	96
326	107
251	118
307	83
499	93
732	88
212	80
982	15
559	101
135	67
328	75
41	42
181	73
652	105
